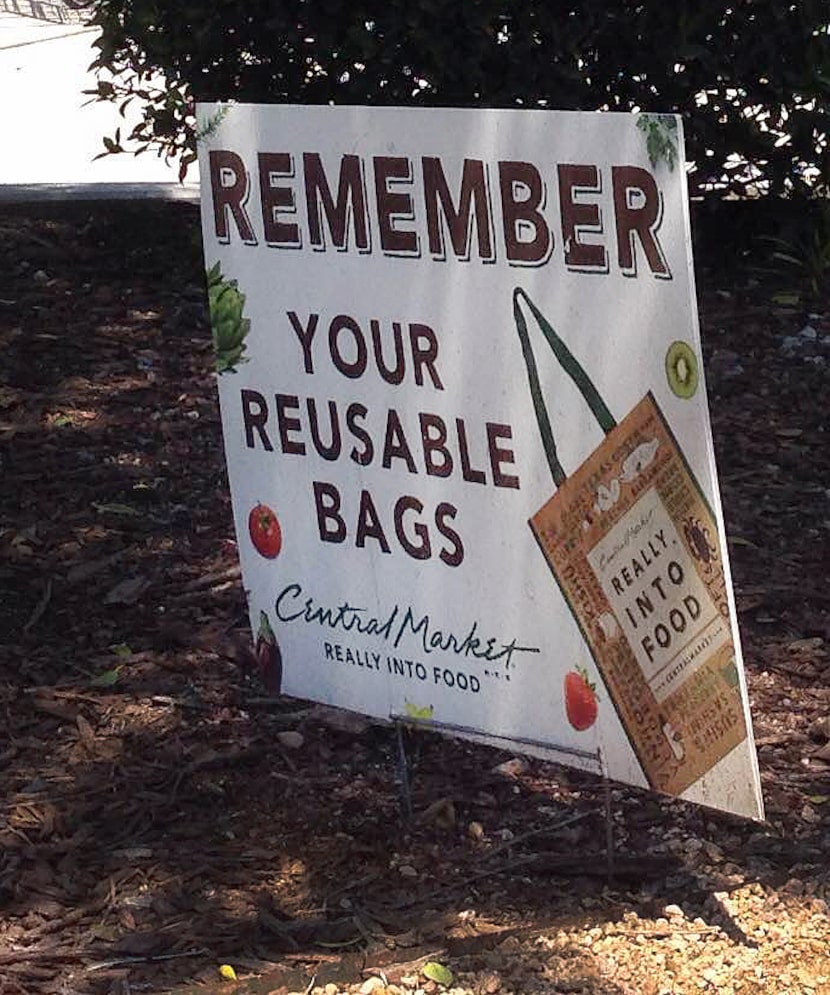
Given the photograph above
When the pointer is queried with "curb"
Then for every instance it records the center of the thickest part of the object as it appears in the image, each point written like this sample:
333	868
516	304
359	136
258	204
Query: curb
22	193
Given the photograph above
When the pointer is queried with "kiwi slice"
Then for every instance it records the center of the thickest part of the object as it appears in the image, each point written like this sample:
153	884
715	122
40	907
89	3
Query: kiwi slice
681	369
730	673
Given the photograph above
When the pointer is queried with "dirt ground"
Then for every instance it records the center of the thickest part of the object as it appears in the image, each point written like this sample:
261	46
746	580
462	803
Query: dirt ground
160	818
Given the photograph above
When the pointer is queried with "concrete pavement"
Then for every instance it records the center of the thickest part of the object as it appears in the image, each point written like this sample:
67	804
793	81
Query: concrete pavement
51	131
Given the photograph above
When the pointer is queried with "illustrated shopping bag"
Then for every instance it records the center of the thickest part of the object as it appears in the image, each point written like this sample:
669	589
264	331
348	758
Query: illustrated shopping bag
633	546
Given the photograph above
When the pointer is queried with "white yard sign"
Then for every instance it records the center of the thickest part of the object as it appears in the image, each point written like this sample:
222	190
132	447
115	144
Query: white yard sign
467	434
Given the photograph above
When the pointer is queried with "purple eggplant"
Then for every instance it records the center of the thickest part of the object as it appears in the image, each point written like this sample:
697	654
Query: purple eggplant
268	656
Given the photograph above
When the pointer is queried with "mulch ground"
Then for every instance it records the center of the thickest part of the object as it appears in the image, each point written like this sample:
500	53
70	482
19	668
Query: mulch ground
160	818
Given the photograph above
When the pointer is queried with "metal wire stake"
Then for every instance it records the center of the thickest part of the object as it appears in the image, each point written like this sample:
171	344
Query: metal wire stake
403	773
609	816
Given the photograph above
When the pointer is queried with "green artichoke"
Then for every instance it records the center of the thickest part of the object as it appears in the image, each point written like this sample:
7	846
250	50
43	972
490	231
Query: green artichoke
228	324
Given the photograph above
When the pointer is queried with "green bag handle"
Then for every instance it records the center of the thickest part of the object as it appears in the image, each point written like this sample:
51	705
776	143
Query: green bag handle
570	365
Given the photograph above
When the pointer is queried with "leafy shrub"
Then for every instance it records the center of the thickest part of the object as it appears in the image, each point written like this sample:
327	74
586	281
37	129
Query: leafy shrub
795	266
750	77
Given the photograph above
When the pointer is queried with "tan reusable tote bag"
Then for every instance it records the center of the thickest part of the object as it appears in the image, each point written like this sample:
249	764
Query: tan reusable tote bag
634	548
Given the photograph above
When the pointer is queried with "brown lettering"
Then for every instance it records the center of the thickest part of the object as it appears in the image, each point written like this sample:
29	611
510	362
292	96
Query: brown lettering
229	186
423	550
434	439
498	455
521	215
354	369
395	445
277	199
473	204
643	219
469	474
351	203
390	376
579	217
332	450
453	556
255	420
393	205
368	524
330	524
353	412
424	356
305	335
287	423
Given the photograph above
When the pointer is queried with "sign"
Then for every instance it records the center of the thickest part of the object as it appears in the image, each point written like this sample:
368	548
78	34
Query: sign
466	431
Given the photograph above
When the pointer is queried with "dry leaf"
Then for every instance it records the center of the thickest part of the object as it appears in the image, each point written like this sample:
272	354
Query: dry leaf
59	709
820	729
86	569
441	813
127	591
290	739
85	732
810	645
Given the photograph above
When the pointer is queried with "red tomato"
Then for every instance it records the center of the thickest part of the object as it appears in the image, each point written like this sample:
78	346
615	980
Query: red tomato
265	531
580	700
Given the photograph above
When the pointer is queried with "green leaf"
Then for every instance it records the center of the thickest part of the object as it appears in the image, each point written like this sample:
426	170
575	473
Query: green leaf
417	712
265	631
122	649
108	679
437	972
785	257
583	673
115	509
653	147
787	299
661	138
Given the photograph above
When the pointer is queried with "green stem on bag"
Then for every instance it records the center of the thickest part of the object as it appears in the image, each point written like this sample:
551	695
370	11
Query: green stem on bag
571	366
548	441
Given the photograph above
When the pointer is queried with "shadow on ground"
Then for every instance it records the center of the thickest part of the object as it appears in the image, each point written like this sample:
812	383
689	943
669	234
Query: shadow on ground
160	818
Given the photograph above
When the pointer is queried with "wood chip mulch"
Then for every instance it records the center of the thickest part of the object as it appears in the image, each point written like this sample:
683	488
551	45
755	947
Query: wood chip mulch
160	818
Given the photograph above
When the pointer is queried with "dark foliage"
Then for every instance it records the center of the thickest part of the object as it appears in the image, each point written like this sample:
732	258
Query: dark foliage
744	74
